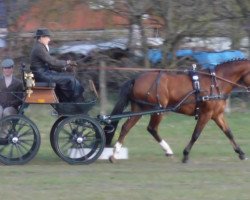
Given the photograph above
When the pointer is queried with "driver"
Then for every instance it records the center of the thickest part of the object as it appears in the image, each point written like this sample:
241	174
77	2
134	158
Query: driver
47	68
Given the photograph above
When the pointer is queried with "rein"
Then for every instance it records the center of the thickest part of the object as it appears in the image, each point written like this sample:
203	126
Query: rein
163	70
75	72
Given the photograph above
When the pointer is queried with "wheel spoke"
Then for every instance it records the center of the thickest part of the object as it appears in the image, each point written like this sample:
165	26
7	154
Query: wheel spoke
64	146
19	152
26	133
82	150
22	144
87	145
94	140
70	126
11	151
88	133
4	147
26	141
19	125
66	132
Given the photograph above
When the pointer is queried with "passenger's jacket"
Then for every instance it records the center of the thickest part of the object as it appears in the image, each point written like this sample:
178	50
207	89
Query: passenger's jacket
12	95
41	60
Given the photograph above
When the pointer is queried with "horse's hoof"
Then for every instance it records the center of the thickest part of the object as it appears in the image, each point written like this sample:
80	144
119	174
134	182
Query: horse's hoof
112	159
169	155
243	157
184	159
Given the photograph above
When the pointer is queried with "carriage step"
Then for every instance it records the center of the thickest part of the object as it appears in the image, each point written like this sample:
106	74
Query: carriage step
107	152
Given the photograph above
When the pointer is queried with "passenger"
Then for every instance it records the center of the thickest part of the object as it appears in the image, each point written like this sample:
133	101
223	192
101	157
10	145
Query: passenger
47	68
11	89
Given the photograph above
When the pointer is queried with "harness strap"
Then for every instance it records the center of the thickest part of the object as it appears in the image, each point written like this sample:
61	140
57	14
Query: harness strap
145	103
156	83
214	83
196	86
194	75
213	97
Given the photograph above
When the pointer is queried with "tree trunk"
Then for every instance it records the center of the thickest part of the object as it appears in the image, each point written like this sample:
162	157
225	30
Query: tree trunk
144	43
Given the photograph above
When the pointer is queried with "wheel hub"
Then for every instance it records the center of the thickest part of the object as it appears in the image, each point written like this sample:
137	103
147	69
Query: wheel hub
79	140
15	140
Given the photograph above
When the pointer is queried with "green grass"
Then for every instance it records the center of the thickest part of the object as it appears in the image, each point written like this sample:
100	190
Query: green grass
214	170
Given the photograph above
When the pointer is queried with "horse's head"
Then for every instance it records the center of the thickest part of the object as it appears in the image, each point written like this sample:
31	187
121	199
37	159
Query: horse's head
236	72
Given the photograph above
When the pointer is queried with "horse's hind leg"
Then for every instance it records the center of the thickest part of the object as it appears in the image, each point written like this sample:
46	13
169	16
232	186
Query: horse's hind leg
153	130
124	131
221	122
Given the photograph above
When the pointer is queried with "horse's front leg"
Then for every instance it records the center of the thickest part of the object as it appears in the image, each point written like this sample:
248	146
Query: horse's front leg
202	121
124	131
221	122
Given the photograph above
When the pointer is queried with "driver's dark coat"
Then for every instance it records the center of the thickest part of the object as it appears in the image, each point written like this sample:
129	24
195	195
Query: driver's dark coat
41	60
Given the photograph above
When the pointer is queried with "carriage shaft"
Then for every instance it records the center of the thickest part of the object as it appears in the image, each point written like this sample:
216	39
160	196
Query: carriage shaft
109	118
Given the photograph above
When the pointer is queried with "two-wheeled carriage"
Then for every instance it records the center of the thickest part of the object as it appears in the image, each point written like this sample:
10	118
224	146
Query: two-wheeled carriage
75	137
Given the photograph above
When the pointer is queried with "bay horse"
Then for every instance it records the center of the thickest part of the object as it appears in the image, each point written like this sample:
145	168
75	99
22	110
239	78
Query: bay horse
205	98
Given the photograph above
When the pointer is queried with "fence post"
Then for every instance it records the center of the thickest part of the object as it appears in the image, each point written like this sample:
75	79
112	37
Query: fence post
103	88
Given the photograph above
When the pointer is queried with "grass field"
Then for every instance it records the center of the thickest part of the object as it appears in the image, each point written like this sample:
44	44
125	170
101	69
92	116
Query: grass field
214	170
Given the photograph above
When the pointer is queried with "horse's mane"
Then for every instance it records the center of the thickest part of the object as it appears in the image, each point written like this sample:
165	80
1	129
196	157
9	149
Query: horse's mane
232	61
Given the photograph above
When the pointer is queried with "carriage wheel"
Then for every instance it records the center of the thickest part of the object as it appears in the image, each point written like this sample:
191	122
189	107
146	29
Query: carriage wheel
79	140
20	140
52	132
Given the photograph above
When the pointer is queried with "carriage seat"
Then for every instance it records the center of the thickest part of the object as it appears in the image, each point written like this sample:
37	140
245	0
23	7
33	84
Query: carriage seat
45	84
43	92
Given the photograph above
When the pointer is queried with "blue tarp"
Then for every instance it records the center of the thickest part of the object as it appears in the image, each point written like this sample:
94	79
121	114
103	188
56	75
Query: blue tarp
205	59
184	52
211	59
154	56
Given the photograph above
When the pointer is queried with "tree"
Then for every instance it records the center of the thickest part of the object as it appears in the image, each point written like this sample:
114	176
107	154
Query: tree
15	44
187	18
177	19
244	6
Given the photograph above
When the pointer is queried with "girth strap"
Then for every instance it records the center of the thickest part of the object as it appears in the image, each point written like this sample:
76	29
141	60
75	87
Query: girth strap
196	86
156	84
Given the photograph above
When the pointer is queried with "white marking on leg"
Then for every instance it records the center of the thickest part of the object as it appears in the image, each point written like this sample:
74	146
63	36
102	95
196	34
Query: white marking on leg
117	149
166	147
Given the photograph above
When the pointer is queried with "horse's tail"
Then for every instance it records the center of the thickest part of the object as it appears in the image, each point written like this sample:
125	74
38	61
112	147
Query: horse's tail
120	105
